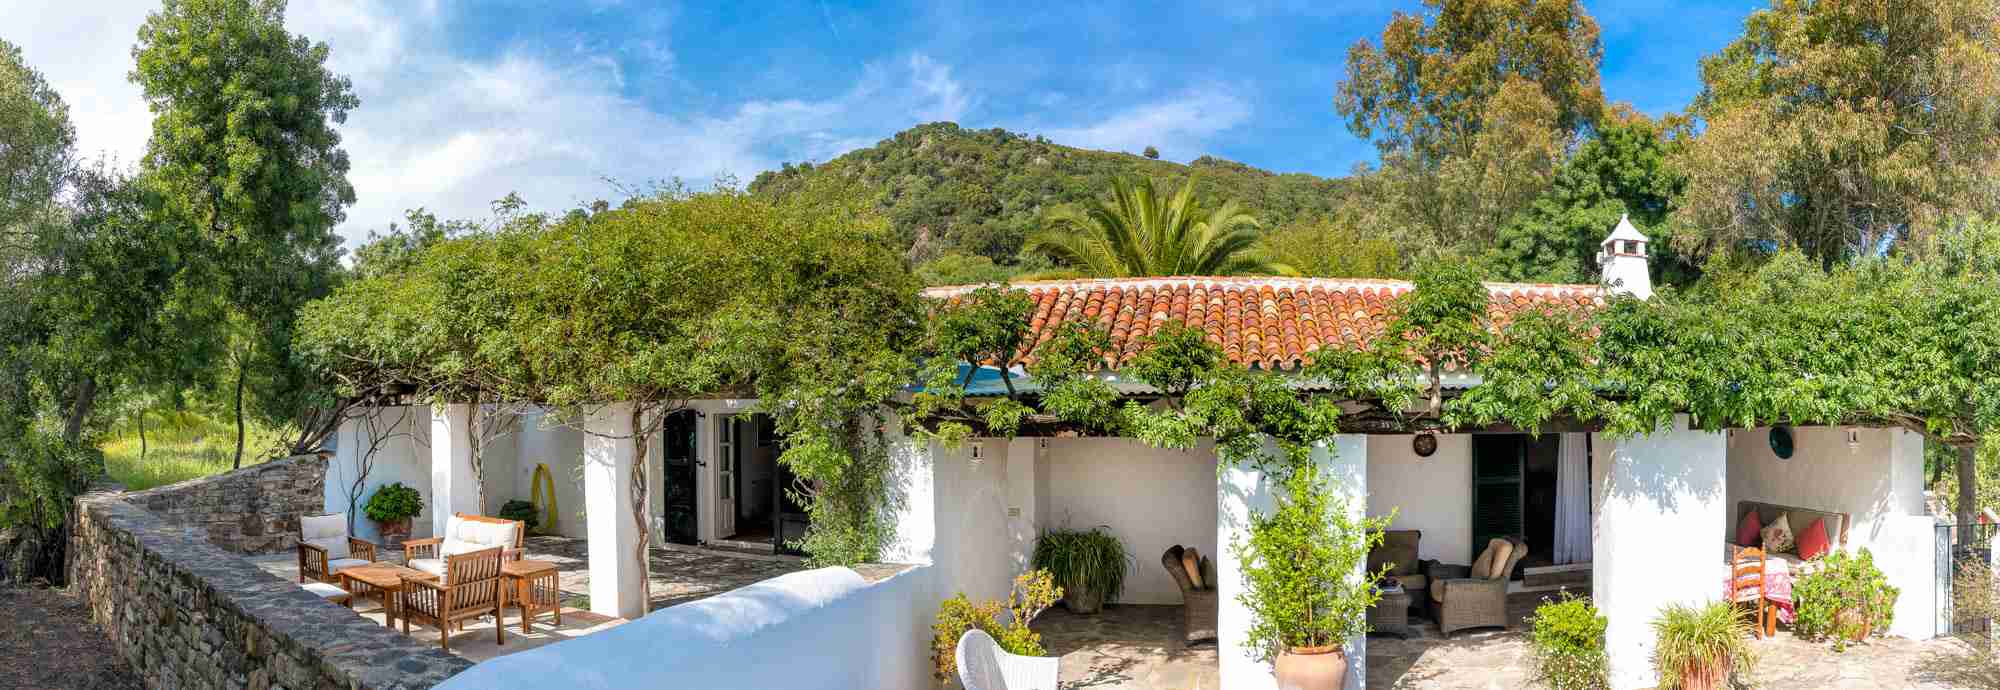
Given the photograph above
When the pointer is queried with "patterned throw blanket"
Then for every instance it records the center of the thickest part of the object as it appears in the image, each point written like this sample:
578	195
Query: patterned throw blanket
1777	588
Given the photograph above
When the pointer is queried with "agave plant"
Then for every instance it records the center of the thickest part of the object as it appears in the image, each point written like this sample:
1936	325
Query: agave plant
1141	231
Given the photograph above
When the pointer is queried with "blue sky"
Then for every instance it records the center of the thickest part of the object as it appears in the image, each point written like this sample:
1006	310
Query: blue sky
463	102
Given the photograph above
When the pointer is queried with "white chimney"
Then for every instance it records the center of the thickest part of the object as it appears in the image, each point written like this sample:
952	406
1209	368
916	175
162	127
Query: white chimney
1622	261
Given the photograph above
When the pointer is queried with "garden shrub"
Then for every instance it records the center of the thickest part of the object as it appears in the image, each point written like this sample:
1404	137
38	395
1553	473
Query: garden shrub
524	511
394	502
1700	647
1007	621
1566	644
1845	599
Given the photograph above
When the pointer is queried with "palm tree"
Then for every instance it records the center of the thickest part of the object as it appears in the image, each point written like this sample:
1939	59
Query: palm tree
1138	231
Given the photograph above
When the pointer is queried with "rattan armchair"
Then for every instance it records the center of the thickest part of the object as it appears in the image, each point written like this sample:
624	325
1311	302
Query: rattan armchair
1200	606
1478	599
325	548
472	588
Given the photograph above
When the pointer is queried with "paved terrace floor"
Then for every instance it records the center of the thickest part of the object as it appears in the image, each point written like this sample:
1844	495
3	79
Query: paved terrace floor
1136	647
679	575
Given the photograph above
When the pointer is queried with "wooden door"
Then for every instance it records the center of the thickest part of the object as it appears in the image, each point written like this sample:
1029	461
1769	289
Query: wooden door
1497	500
727	464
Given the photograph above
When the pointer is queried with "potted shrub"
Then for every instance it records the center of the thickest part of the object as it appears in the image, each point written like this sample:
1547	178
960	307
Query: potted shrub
1007	621
1566	644
1698	648
524	511
1299	567
1089	565
1845	599
391	508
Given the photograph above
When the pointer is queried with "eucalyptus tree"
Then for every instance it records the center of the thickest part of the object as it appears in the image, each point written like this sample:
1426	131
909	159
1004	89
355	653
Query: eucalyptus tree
1141	230
1843	128
245	148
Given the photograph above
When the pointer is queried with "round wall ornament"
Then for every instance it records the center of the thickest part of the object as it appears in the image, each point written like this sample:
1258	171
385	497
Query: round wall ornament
1781	442
1424	444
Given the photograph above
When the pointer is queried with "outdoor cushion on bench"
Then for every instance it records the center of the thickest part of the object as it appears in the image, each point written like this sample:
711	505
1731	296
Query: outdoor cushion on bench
465	534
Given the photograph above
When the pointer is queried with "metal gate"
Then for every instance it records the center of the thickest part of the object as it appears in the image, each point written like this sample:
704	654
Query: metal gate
1964	551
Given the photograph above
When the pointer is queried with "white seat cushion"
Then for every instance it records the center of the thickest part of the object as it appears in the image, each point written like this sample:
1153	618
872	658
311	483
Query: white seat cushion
324	590
467	536
335	565
328	532
434	566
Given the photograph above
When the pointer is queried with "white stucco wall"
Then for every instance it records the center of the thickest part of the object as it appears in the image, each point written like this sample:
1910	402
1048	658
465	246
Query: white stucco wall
1878	481
1879	477
404	457
814	630
1432	494
1661	503
1150	498
1242	492
974	548
545	440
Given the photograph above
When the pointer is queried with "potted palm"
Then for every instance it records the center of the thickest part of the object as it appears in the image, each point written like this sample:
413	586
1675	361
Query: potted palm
1300	582
1088	564
391	508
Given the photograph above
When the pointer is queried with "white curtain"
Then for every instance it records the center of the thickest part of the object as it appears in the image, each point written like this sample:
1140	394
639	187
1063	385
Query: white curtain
1573	500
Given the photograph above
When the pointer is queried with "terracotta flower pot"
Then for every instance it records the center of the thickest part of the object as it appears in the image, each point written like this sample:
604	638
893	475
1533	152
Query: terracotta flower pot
1312	668
1711	676
1855	620
394	533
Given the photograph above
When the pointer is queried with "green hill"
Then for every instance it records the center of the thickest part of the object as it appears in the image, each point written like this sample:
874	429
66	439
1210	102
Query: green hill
965	200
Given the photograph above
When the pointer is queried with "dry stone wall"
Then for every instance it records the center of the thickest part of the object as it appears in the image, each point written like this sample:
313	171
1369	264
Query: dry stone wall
254	510
189	615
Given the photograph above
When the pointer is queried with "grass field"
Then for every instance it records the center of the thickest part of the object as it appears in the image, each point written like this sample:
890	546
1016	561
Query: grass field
180	446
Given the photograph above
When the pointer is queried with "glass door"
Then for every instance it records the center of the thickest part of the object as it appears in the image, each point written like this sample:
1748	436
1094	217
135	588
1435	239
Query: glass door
726	448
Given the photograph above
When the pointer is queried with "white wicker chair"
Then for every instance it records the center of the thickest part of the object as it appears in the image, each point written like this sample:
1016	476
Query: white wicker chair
982	665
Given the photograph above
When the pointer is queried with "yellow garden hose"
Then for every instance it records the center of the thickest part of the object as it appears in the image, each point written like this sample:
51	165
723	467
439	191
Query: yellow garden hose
544	494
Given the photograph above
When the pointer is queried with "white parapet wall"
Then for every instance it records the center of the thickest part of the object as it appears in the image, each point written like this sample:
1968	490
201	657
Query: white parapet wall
1660	506
824	629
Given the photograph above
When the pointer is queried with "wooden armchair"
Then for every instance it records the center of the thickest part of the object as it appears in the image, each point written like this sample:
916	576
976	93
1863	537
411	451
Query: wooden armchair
471	588
465	534
325	548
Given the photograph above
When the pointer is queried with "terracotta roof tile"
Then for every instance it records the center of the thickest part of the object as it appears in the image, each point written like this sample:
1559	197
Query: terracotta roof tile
1262	322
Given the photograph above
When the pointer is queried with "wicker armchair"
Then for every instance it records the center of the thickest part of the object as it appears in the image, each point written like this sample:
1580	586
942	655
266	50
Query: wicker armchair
465	534
1199	605
325	548
1479	598
472	588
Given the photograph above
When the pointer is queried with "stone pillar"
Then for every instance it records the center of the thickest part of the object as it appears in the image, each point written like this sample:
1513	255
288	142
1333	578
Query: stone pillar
617	588
1661	507
1242	492
454	487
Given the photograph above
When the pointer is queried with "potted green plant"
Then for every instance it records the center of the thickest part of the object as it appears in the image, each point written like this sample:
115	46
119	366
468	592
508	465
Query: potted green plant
1300	583
1697	648
1088	564
1846	599
523	511
1566	644
391	508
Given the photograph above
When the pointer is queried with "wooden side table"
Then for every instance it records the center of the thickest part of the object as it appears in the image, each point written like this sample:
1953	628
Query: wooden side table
535	588
382	582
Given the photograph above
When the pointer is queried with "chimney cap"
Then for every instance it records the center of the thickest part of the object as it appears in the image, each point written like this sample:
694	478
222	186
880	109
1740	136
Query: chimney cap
1625	231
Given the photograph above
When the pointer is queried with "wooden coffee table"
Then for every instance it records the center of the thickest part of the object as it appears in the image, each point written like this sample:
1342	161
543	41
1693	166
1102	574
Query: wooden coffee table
382	582
534	587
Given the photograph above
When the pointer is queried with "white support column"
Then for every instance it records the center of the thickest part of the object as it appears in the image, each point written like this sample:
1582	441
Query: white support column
1242	492
454	487
1022	522
1661	504
617	588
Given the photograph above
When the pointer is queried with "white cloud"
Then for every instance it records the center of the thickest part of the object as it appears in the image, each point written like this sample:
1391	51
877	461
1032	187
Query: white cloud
451	134
1180	126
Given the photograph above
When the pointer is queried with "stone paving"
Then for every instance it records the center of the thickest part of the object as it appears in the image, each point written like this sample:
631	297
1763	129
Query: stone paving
679	575
1132	647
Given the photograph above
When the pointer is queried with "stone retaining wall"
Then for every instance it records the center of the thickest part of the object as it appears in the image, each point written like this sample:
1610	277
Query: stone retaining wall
253	510
189	615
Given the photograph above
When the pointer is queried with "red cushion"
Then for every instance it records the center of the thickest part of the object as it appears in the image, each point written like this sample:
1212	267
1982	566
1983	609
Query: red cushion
1813	541
1750	532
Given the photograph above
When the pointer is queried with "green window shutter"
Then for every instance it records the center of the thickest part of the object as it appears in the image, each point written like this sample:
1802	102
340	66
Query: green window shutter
1496	493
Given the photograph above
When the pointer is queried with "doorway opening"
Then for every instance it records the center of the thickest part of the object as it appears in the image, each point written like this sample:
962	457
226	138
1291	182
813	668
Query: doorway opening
755	509
1514	484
